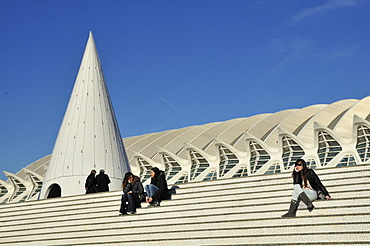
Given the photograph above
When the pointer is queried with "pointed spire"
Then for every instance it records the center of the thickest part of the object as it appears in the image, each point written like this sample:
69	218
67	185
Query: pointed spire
89	137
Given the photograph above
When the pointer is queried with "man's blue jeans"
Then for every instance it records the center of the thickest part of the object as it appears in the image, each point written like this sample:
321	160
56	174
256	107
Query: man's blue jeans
151	190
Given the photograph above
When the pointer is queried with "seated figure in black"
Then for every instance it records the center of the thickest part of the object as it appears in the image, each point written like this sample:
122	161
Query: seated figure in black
157	190
133	194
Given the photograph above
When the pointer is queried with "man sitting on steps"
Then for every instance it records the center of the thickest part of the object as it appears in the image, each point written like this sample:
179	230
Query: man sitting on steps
157	190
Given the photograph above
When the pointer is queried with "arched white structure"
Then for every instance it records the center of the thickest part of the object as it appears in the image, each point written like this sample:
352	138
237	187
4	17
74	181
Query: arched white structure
325	135
331	135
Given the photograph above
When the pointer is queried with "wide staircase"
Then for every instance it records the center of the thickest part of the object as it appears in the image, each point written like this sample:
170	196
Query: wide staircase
238	211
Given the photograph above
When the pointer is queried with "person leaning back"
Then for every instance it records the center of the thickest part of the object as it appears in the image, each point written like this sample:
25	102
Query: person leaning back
307	187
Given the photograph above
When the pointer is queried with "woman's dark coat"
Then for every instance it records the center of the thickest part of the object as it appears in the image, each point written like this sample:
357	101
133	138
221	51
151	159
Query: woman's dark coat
90	184
313	179
137	191
161	183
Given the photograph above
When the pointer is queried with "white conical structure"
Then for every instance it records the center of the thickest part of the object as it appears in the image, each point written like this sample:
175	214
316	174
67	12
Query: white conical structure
89	137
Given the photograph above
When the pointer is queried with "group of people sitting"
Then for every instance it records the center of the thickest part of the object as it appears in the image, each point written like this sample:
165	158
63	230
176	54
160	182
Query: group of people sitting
307	187
133	191
97	184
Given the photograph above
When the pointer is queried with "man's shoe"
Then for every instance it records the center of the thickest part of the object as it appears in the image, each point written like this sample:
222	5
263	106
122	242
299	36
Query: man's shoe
131	213
154	204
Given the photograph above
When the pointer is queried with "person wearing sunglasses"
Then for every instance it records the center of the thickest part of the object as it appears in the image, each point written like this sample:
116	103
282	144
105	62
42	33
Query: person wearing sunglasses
307	188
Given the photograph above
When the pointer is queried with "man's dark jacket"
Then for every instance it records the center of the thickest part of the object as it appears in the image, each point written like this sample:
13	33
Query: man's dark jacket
161	183
102	181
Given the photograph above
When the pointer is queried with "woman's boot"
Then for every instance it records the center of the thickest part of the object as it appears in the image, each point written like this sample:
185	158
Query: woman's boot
303	196
292	209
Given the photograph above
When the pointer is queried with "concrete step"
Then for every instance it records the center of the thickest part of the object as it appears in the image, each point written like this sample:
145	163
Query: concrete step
250	211
262	183
221	212
200	225
55	202
88	231
323	174
246	198
318	234
282	189
198	232
330	186
354	171
254	198
337	193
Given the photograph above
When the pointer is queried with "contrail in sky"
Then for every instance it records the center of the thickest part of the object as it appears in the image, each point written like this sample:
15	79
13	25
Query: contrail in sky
173	106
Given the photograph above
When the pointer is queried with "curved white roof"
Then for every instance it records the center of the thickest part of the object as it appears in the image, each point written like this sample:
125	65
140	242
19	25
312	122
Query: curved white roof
325	117
300	123
337	119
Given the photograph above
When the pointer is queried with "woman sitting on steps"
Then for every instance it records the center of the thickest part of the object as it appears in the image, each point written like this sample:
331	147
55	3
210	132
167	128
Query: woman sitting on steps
133	194
157	190
307	188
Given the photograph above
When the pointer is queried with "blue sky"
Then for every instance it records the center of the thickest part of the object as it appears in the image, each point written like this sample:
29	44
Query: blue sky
171	64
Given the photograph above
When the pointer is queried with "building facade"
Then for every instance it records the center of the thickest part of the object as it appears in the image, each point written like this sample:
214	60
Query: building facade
325	135
331	135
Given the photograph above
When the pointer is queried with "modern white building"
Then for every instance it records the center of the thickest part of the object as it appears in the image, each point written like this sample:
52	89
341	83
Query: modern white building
324	135
89	137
